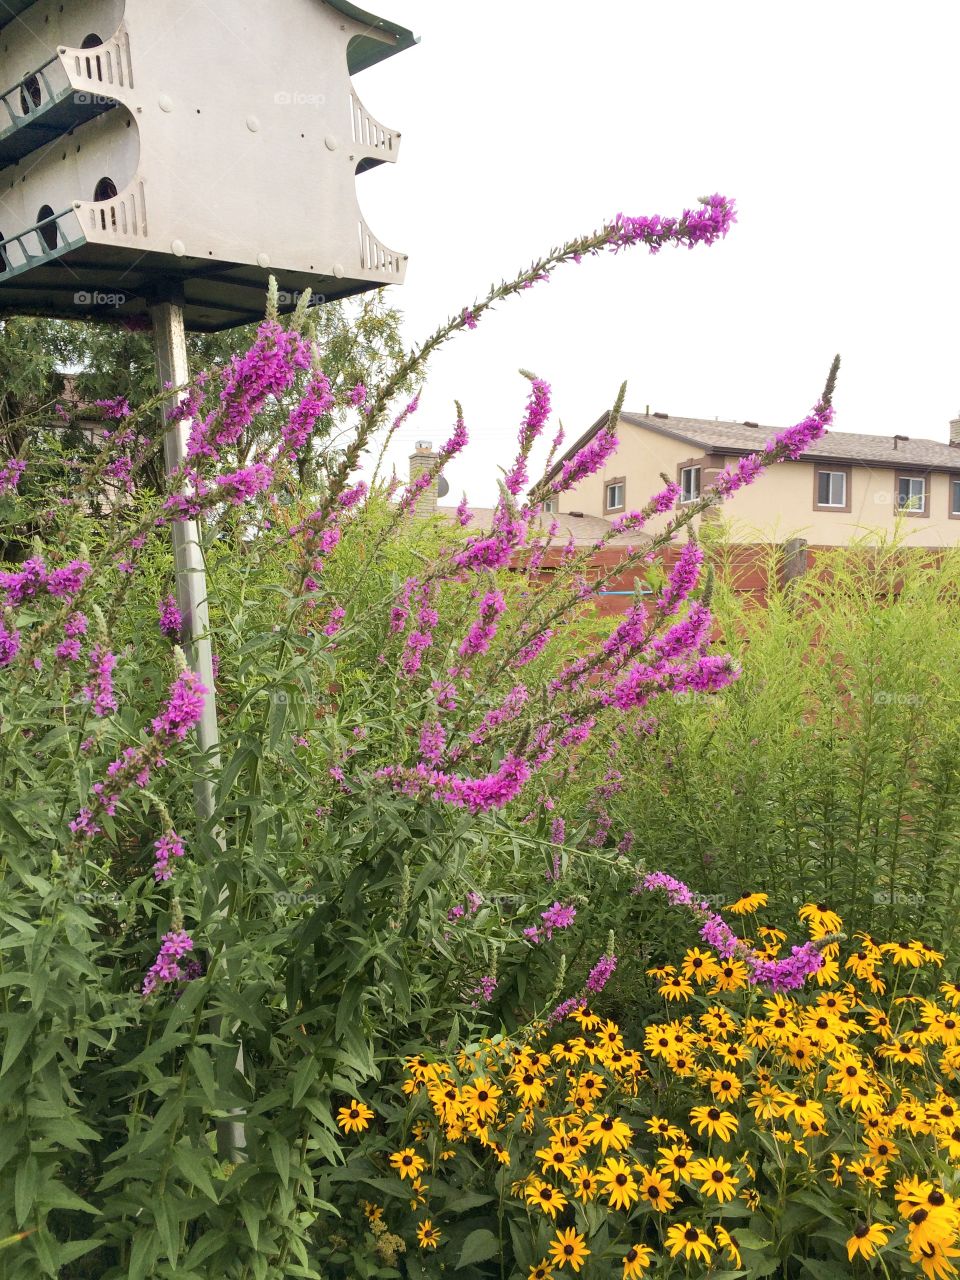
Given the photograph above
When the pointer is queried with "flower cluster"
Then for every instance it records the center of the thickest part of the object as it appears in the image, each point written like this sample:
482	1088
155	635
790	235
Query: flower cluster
690	1149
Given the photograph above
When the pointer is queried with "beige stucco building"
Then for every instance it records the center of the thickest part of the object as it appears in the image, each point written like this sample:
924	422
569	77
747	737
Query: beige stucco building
845	488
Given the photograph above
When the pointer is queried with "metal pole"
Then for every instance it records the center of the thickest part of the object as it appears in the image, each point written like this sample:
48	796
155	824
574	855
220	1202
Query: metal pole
173	370
170	341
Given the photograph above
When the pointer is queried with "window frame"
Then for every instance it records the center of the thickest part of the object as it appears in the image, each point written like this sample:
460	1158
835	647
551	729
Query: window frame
954	478
691	466
833	468
924	478
607	486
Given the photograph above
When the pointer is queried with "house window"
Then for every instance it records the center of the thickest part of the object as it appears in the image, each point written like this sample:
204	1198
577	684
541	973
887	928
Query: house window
614	494
955	496
831	488
689	484
912	495
550	506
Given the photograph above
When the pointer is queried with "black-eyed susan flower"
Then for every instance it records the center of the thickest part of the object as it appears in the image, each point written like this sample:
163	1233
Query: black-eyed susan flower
587	1020
527	1085
655	1188
676	988
660	1127
934	1259
355	1118
607	1132
699	966
731	975
728	1242
569	1249
748	903
715	1122
555	1158
618	1182
637	1259
481	1099
724	1085
585	1184
674	1160
899	1050
867	1238
906	954
540	1270
407	1163
869	1172
715	1176
548	1198
685	1238
428	1235
820	919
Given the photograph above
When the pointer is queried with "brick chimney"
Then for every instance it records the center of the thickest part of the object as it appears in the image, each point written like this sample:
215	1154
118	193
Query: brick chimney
422	459
955	433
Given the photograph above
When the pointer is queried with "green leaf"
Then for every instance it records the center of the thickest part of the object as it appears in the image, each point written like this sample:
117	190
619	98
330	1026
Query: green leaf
478	1247
748	1239
143	1254
19	1027
25	1189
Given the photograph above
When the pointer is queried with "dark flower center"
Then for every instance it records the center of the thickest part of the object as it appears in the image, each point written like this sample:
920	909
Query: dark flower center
691	1234
861	1231
713	1114
717	1176
621	1179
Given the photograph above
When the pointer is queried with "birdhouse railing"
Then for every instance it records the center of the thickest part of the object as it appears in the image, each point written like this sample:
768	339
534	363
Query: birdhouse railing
103	68
375	256
32	95
48	239
124	215
374	141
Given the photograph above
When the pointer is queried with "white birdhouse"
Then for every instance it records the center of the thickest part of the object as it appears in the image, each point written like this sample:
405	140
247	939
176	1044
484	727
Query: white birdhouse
158	149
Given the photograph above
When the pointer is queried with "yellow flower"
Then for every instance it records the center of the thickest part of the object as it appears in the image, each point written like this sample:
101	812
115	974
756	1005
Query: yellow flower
868	1172
724	1086
699	966
907	954
713	1121
609	1132
661	1128
419	1193
408	1164
676	988
900	1051
355	1118
729	1244
685	1238
528	1085
866	1240
637	1259
714	1176
428	1234
584	1183
588	1021
820	919
569	1249
541	1271
730	976
655	1189
619	1184
480	1098
674	1160
549	1198
748	903
555	1157
934	1259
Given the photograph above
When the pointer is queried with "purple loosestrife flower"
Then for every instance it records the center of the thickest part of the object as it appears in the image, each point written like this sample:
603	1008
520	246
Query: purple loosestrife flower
170	845
600	974
433	742
534	649
171	619
166	967
9	644
464	514
357	396
482	632
485	989
335	622
240	486
268	369
507	711
317	400
10	474
117	408
469	319
100	690
563	1011
790	972
588	461
183	710
682	579
477	795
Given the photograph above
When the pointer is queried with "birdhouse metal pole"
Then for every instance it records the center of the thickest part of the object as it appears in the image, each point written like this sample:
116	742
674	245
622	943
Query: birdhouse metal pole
173	370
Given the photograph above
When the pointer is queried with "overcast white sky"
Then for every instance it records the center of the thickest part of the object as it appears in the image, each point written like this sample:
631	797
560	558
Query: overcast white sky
833	125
